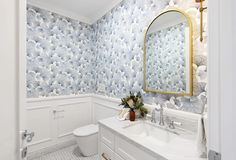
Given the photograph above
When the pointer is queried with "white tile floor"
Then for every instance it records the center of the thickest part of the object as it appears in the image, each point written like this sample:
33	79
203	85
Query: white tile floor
69	153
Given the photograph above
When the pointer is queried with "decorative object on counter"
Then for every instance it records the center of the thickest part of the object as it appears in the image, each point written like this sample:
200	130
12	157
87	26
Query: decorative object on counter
132	115
143	111
124	114
135	103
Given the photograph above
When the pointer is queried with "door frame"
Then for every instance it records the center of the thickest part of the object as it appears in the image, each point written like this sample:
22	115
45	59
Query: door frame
22	4
221	77
213	76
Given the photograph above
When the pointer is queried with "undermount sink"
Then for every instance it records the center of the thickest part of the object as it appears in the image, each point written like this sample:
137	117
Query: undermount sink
151	132
149	139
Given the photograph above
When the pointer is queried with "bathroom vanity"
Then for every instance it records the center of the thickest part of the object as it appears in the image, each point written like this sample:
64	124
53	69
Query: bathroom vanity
143	140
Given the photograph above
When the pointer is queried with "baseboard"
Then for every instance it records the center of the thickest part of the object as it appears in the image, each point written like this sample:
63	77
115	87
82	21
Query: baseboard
49	149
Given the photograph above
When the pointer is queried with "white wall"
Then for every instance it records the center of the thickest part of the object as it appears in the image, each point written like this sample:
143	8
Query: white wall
104	107
8	79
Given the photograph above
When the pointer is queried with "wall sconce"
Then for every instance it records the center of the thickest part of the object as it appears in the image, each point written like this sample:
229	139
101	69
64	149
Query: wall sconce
201	9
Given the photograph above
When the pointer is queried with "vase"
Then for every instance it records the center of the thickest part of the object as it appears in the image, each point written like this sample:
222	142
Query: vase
131	115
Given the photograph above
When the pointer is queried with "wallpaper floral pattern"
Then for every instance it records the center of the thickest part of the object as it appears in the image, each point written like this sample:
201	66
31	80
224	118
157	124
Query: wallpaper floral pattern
119	52
65	56
166	59
58	55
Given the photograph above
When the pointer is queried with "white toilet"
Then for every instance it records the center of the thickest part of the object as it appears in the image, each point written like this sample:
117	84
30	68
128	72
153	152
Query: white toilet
87	139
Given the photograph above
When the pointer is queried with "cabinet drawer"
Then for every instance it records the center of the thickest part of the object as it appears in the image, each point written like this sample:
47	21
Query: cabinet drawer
106	153
107	137
117	157
128	151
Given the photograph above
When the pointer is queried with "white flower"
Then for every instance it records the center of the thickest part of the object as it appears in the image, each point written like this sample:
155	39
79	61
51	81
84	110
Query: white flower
130	103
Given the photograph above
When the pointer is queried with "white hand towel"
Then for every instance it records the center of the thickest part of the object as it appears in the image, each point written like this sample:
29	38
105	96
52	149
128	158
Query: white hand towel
123	114
205	126
201	138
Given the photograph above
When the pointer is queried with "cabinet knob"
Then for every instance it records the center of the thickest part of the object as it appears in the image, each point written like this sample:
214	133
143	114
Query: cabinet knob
104	156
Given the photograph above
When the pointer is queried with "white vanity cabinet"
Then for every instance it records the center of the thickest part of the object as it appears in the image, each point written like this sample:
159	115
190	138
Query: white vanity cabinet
112	146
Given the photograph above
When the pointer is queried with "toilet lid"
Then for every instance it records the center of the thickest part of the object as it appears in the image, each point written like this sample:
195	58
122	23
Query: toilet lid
86	130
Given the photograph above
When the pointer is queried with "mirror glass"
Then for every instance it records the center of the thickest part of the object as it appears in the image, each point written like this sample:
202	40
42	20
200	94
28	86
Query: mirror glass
168	54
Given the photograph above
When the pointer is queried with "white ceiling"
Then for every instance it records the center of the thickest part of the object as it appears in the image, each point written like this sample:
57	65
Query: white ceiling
87	11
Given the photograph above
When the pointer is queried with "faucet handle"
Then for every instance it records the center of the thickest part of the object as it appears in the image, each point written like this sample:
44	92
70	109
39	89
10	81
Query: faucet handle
177	123
172	123
153	115
167	119
148	116
158	107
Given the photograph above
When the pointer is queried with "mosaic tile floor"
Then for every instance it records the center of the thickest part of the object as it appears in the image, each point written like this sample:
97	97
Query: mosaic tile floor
69	153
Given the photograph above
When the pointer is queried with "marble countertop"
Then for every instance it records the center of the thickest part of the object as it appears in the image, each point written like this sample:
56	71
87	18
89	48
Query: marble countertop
182	148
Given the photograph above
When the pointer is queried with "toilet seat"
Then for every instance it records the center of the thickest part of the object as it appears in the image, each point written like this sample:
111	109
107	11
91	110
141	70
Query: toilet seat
86	130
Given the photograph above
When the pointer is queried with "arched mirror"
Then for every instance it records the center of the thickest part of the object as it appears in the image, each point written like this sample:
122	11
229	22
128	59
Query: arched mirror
168	54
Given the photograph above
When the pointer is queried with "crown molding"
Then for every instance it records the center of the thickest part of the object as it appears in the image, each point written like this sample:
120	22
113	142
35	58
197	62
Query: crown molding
73	15
104	11
60	11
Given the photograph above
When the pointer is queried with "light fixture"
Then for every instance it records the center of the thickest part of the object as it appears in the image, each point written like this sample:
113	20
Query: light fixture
201	9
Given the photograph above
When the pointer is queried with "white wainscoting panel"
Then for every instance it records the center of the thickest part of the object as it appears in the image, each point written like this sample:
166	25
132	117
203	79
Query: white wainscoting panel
42	116
53	119
71	116
104	107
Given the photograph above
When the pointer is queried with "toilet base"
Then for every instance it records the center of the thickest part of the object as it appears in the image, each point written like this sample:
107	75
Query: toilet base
88	145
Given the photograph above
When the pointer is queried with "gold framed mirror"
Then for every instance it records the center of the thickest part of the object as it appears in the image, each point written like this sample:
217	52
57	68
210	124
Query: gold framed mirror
168	53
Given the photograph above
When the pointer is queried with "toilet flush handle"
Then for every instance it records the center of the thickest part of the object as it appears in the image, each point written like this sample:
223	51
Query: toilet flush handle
56	111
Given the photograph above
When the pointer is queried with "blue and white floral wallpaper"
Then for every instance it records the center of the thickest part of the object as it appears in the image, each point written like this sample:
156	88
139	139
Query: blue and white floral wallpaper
119	52
119	45
67	57
58	55
166	59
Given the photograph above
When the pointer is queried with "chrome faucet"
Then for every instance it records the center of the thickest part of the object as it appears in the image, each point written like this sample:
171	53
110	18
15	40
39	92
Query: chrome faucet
153	118
171	124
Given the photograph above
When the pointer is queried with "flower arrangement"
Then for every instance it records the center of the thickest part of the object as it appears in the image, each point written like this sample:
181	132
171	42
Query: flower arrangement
134	102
